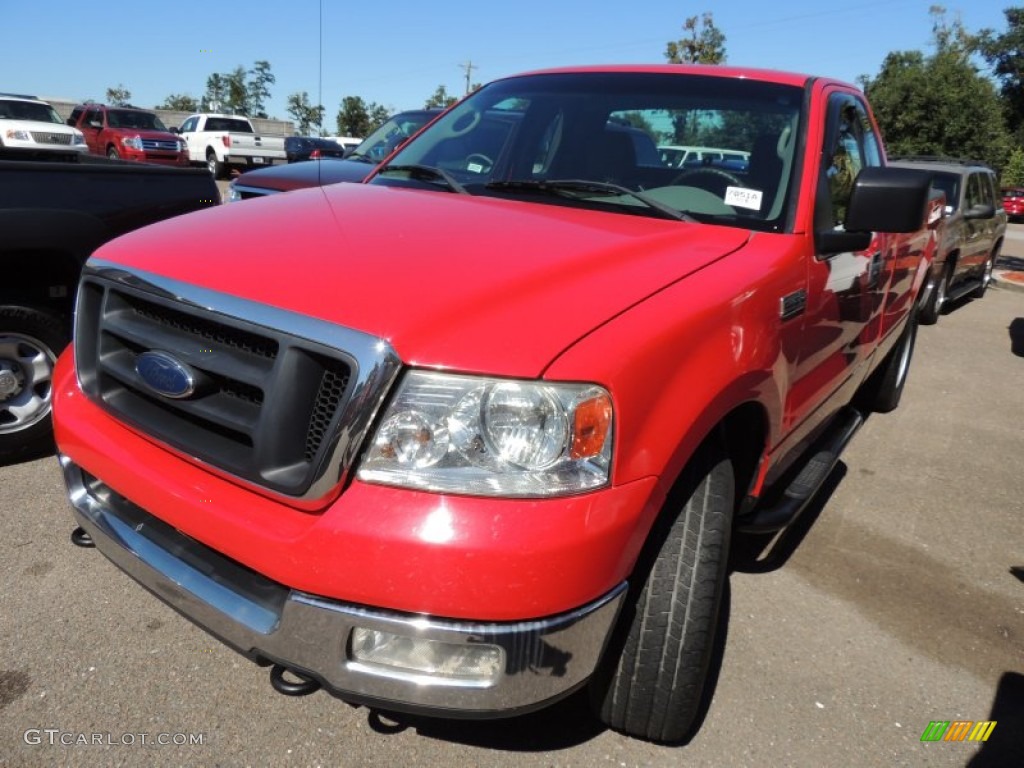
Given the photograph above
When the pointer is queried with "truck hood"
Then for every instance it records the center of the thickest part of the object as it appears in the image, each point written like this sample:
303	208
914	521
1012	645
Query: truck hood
453	281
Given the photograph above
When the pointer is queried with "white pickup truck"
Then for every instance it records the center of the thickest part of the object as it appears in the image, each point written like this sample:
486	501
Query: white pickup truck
227	141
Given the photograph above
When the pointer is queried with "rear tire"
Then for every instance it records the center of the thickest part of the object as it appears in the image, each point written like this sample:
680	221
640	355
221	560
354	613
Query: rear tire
986	276
651	680
215	167
30	341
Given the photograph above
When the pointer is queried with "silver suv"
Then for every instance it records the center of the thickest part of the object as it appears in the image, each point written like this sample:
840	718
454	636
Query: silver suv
971	234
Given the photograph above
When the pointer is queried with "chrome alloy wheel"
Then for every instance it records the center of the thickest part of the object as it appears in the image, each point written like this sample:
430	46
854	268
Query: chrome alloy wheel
26	378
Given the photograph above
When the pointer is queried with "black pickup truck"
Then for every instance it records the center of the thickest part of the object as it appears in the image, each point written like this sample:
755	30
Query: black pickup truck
54	212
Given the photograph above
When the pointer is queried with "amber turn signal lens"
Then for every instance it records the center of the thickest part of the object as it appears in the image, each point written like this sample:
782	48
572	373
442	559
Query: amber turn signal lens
590	427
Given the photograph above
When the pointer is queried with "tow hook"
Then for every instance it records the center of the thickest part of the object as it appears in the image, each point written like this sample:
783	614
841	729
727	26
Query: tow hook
304	686
82	539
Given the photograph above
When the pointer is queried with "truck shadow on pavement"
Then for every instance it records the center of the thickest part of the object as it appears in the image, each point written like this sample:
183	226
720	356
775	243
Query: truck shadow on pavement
1017	336
764	552
1005	746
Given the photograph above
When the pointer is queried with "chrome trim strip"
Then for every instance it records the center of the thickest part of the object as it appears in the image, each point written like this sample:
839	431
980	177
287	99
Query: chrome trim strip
377	368
544	659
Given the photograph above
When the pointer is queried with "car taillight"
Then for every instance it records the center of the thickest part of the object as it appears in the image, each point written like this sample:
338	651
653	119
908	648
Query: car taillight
314	155
226	139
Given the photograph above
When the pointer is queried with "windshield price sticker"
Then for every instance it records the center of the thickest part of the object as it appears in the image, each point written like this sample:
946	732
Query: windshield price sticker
740	197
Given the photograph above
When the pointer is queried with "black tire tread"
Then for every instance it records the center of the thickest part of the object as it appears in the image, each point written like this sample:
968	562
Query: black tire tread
658	682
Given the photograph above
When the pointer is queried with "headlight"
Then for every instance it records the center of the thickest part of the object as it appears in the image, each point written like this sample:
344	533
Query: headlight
233	194
78	139
132	142
492	437
182	146
17	135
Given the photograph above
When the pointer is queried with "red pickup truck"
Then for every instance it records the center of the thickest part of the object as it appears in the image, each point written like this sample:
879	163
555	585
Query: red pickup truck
475	434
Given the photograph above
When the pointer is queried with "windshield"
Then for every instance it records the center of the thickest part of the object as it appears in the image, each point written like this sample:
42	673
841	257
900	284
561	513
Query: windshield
28	110
382	142
717	149
123	118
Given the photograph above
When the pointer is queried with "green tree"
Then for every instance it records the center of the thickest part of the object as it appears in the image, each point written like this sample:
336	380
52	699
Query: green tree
180	102
704	43
258	88
379	114
1013	173
214	98
119	96
939	104
357	118
440	98
305	114
353	117
1005	54
236	93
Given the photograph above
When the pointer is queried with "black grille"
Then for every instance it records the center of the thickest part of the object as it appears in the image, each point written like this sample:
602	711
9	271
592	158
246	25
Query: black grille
265	405
332	389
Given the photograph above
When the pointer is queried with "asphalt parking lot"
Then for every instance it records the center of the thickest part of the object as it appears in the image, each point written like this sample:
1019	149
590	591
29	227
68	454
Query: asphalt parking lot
892	604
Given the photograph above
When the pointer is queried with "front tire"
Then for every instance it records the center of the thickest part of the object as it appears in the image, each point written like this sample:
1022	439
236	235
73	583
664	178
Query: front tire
112	153
929	314
651	680
30	341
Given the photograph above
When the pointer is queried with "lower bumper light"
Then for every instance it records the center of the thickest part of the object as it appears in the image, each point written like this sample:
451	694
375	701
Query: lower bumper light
430	660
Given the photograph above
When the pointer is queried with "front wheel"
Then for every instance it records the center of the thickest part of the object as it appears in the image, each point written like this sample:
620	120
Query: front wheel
30	341
112	153
651	680
929	314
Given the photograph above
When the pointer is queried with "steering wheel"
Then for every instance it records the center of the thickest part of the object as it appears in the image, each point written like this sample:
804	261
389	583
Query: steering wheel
464	123
717	175
479	163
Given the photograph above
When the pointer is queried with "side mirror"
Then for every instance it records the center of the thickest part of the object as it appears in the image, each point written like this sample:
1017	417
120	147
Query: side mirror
174	129
70	121
883	199
980	211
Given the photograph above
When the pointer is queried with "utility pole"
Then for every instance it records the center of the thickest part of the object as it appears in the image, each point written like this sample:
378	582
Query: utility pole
469	66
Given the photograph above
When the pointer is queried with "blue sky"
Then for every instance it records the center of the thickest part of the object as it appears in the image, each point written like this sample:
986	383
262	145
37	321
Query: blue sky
397	53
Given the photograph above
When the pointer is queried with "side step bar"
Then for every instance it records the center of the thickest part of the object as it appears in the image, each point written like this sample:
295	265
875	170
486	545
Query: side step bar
820	461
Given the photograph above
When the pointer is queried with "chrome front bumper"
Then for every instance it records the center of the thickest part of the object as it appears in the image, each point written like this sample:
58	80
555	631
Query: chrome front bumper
267	621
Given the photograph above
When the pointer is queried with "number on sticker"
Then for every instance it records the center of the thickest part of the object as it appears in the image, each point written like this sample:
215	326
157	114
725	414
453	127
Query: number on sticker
740	197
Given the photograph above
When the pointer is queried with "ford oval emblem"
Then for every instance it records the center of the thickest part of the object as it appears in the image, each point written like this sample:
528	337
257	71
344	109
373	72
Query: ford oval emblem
165	375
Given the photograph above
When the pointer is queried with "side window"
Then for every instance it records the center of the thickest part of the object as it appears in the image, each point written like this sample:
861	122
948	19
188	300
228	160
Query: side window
989	189
850	146
974	191
93	116
75	114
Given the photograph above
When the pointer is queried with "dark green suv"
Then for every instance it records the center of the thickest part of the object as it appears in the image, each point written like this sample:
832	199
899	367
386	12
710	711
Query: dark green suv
971	234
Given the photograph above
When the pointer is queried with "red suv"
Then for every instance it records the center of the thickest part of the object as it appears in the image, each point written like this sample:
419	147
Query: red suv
1013	203
129	134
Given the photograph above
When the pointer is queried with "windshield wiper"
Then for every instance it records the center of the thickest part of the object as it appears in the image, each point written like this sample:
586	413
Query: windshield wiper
561	186
428	171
